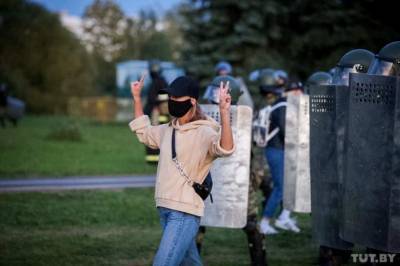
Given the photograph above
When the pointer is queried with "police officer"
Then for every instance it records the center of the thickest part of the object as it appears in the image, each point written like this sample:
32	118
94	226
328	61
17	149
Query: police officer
354	61
387	61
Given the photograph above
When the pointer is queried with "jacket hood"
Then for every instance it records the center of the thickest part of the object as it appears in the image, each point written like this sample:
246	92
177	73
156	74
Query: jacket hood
195	124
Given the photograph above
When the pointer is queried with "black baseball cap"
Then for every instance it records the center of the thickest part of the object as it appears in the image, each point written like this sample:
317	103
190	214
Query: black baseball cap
183	86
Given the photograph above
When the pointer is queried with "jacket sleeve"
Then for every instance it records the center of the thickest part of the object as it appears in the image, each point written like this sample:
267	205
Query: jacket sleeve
215	149
147	134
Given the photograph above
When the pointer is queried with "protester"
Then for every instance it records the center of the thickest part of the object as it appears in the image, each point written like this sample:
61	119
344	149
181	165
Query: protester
272	85
198	142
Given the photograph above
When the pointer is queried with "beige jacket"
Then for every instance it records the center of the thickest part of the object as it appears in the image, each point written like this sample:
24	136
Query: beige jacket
197	145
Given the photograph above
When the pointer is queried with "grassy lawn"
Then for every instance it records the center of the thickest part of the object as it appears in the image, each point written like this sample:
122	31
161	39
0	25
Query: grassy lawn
117	228
105	149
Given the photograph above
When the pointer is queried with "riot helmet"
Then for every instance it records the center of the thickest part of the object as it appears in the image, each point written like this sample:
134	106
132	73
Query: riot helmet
295	87
268	82
387	61
212	92
319	78
281	77
223	68
354	61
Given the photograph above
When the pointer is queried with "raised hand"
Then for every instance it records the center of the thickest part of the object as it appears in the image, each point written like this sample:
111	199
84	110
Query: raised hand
136	87
224	97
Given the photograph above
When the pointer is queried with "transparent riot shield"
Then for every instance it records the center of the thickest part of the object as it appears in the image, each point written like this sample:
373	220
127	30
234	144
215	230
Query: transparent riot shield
231	174
297	188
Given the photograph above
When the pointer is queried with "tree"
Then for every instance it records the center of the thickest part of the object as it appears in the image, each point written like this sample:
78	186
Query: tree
104	25
43	62
301	36
143	39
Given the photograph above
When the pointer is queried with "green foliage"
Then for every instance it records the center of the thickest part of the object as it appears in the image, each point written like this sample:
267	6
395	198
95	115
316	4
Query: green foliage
144	41
42	61
103	26
301	36
113	37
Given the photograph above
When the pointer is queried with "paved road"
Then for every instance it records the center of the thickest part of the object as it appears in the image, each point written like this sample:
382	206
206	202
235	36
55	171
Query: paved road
76	182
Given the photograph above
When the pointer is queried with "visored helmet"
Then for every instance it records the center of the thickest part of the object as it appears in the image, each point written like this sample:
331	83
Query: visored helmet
319	78
355	61
387	61
282	77
268	82
295	86
212	91
224	67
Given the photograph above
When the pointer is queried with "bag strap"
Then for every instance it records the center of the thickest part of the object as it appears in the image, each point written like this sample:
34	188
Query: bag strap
173	144
278	105
175	159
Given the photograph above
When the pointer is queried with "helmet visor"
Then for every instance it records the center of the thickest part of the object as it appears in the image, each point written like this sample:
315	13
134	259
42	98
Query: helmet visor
342	73
341	76
212	94
383	68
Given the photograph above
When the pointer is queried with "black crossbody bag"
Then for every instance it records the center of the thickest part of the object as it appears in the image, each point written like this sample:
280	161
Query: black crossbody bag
203	190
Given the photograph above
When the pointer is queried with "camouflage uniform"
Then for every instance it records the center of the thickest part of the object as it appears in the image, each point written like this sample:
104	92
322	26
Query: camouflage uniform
254	238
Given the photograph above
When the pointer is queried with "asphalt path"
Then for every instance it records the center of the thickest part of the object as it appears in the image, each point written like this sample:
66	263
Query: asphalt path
76	183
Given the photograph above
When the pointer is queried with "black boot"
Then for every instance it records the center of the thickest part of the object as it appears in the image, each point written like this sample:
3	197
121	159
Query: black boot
265	187
200	237
332	256
256	242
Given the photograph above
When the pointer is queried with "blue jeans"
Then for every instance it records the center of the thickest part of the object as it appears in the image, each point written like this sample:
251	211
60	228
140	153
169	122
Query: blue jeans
275	158
178	242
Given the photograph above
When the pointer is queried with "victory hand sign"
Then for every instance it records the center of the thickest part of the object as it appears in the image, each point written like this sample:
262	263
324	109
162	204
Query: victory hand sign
224	97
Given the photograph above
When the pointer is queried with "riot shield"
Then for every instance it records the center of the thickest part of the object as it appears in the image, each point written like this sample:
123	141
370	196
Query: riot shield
325	187
231	174
341	121
371	203
297	190
245	98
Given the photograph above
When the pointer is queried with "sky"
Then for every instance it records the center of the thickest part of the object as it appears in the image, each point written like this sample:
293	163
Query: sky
130	7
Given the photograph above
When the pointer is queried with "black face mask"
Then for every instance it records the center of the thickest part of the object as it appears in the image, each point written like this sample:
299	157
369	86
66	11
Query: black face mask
179	109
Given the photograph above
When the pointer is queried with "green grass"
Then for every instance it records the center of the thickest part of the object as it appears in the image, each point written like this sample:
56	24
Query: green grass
117	228
105	149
